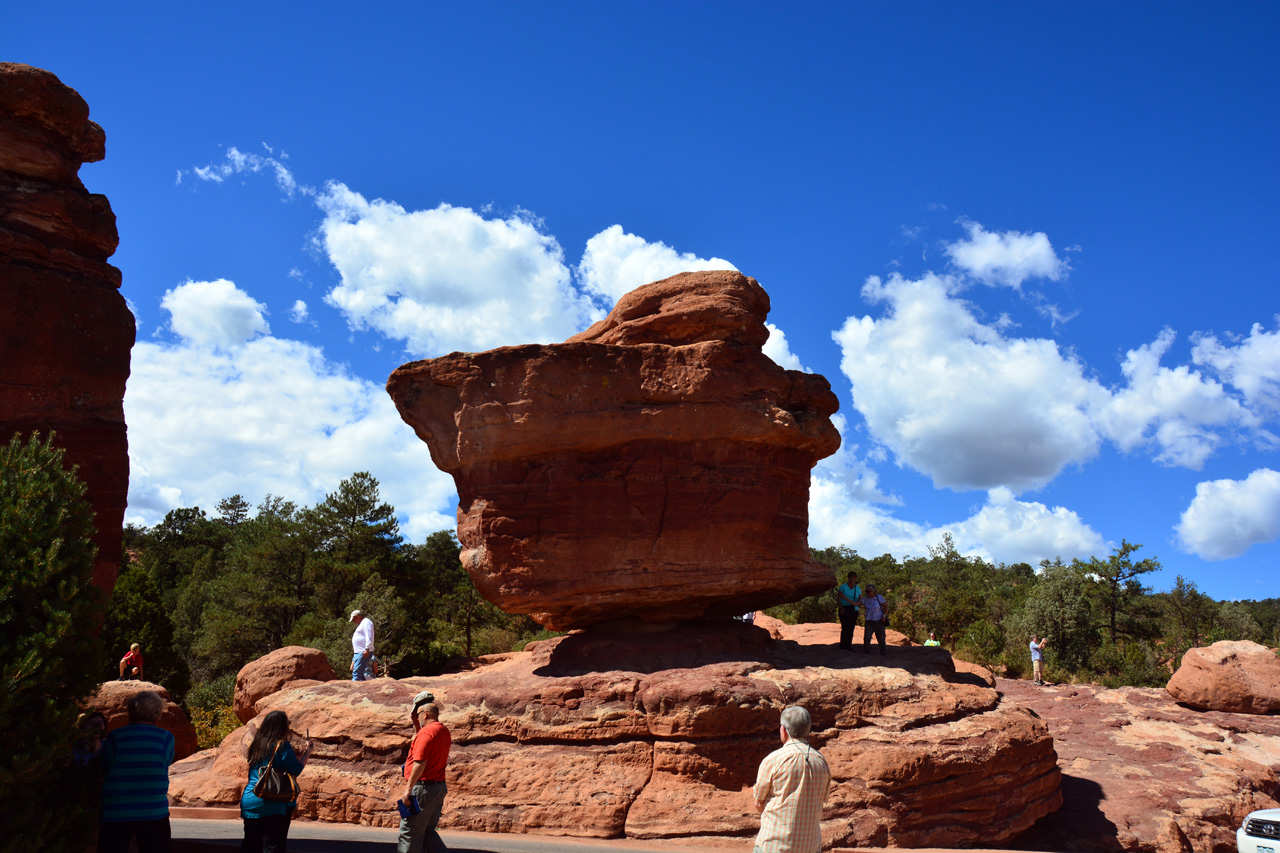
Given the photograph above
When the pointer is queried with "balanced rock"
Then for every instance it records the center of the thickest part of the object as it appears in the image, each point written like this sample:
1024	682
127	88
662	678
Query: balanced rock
664	740
112	700
1232	675
653	468
271	672
65	330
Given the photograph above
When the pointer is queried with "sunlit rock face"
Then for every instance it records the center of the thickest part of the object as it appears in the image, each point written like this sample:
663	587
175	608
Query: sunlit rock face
654	468
65	331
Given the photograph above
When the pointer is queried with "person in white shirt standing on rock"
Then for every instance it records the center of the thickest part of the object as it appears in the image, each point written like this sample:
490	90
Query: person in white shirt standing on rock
361	647
790	788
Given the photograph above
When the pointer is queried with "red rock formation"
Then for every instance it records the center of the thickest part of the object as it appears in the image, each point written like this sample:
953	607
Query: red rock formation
655	467
65	331
269	673
1142	773
111	699
665	741
1237	676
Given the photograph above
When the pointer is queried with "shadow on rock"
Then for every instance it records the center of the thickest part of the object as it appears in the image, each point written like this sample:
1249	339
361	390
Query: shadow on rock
1080	820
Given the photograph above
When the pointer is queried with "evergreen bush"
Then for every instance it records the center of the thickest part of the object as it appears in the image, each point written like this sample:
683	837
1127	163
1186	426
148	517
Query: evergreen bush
50	656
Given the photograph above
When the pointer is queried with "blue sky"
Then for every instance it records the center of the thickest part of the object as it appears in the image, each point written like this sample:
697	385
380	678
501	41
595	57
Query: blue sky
1033	247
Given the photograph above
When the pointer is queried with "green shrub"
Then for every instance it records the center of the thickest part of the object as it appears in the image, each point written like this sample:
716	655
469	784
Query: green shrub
50	657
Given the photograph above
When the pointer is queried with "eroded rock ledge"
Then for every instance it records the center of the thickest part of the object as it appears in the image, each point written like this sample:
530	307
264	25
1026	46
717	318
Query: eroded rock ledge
610	735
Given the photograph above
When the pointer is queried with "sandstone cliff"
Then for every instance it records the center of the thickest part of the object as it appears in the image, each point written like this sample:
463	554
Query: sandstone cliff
65	331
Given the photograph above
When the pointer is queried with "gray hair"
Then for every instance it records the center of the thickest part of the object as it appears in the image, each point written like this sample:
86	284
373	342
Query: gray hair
145	707
796	721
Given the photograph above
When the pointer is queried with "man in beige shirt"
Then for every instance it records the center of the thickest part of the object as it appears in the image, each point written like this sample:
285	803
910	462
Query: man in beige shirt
790	788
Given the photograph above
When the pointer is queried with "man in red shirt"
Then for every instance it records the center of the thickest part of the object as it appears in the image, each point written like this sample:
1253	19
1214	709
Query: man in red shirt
424	779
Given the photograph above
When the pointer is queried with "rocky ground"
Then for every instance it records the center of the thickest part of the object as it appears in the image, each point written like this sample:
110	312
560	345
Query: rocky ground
1142	773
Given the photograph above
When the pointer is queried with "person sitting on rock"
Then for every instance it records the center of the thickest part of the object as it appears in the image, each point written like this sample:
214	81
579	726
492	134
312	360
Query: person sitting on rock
932	641
791	785
131	663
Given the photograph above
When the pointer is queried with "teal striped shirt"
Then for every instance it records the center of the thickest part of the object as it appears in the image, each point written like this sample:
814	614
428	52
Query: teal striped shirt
136	759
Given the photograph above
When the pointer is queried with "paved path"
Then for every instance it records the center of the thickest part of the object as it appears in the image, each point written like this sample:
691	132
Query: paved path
221	836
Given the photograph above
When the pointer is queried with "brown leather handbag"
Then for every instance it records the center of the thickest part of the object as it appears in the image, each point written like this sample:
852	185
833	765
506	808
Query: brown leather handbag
276	786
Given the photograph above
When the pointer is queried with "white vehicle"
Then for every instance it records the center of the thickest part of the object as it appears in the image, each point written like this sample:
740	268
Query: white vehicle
1260	833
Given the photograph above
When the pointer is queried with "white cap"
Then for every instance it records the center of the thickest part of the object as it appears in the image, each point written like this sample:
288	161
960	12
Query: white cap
354	614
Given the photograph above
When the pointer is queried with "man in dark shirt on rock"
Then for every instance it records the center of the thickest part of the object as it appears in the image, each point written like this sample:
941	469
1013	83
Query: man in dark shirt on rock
424	779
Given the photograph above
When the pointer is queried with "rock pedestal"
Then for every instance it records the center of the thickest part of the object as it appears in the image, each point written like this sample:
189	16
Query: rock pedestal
654	468
612	735
65	331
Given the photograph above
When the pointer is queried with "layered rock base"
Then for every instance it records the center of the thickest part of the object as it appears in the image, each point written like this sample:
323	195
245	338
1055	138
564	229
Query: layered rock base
612	735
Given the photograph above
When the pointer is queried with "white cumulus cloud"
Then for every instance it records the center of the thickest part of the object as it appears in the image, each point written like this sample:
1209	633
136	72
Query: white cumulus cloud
298	313
266	416
1007	258
1228	517
447	279
957	400
214	313
1252	365
615	262
1177	409
1003	530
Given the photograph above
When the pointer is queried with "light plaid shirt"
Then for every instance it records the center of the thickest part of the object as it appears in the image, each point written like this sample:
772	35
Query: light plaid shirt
792	783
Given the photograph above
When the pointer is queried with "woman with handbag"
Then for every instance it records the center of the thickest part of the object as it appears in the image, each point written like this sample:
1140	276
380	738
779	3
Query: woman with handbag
272	792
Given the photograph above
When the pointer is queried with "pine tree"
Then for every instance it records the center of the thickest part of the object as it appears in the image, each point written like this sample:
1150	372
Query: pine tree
49	654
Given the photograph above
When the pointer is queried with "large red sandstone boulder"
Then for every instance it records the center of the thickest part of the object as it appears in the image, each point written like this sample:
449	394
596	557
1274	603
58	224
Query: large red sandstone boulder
112	697
1237	676
1142	773
612	735
654	468
273	671
65	331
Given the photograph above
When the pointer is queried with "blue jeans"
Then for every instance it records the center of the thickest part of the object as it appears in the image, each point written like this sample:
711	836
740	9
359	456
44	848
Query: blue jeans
361	667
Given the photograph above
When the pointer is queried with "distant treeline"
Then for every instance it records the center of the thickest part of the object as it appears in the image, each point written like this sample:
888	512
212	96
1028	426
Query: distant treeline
205	594
1103	625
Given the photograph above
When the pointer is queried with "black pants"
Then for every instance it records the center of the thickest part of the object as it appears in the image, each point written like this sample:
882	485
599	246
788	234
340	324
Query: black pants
876	627
266	834
848	621
153	835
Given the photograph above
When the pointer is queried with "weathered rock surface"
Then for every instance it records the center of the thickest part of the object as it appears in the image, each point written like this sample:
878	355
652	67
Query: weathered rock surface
655	467
1237	676
65	331
274	670
111	699
1142	773
664	739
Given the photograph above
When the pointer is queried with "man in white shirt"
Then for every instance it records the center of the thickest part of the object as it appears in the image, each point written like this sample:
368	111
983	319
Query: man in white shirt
361	647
